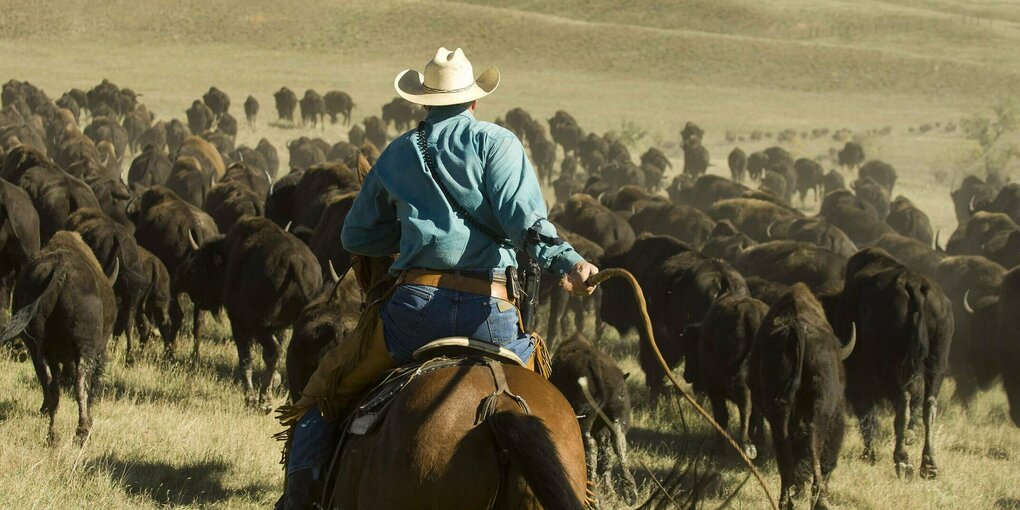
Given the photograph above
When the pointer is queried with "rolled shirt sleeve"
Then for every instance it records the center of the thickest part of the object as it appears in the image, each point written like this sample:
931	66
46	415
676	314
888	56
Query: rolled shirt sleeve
371	228
513	190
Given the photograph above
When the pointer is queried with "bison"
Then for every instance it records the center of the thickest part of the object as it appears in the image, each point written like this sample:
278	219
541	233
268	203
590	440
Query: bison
65	312
905	327
799	380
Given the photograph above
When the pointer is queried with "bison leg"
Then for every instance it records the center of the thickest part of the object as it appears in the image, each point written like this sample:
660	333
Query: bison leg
590	454
785	461
127	326
605	468
196	327
916	407
929	470
270	357
901	458
43	373
244	366
176	322
868	424
82	382
51	401
620	447
744	408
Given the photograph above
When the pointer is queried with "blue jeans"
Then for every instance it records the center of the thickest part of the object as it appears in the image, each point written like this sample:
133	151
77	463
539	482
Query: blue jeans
414	316
419	314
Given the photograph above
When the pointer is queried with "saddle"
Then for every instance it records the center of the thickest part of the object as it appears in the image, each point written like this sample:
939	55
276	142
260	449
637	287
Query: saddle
436	355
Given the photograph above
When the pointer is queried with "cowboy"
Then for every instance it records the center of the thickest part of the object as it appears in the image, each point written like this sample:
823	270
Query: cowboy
456	212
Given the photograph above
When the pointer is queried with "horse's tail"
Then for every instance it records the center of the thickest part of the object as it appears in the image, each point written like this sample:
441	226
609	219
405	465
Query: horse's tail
527	442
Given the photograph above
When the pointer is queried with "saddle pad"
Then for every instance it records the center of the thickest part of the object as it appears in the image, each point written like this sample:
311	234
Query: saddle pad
373	406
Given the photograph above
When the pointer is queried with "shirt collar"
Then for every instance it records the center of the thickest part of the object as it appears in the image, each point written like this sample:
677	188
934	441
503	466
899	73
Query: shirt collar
438	113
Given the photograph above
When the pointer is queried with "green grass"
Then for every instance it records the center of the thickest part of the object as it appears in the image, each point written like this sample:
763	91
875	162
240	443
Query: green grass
169	434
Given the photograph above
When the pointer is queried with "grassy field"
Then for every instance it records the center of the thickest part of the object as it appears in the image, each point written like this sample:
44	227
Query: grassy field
176	434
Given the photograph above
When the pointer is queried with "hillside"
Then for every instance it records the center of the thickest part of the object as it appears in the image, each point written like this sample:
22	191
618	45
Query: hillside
793	45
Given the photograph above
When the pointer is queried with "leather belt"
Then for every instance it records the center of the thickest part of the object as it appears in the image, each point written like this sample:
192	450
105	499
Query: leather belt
456	282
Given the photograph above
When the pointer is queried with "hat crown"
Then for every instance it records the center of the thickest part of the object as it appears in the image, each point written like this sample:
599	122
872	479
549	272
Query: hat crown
449	71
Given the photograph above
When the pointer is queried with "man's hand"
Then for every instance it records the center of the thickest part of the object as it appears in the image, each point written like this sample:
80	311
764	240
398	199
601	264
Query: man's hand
575	283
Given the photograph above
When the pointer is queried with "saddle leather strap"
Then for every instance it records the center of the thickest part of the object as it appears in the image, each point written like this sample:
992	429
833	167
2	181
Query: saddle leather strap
456	282
488	405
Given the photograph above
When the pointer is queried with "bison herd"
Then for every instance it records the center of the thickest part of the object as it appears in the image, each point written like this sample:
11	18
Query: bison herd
794	319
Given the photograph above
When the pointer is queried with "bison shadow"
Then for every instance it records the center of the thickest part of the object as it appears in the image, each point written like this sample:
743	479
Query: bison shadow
197	483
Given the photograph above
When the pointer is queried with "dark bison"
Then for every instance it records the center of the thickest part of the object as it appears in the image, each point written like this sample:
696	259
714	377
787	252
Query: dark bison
187	181
909	221
150	168
578	360
738	164
251	110
286	103
586	217
171	229
154	302
680	283
832	181
881	172
200	117
790	262
810	176
972	195
971	236
851	155
217	101
683	222
339	103
264	277
116	250
272	157
696	160
910	252
756	164
65	311
19	228
799	383
814	230
751	216
853	216
905	326
962	277
313	109
722	359
55	195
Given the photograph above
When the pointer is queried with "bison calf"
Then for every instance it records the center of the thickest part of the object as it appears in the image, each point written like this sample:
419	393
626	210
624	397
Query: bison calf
578	358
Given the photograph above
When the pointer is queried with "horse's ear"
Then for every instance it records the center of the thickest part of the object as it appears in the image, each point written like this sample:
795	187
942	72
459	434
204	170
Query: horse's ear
364	167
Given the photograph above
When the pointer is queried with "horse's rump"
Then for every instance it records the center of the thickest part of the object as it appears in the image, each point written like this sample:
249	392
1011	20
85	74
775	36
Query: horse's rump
428	451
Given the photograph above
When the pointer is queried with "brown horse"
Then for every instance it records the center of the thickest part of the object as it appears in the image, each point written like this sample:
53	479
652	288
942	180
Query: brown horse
428	452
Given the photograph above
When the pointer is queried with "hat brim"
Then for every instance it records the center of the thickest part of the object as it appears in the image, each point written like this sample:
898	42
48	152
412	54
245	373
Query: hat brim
410	86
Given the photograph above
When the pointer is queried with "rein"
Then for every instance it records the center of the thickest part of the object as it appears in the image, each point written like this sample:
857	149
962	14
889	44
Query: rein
607	274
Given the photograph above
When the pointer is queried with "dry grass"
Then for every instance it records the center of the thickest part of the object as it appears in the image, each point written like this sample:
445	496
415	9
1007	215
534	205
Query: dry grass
173	434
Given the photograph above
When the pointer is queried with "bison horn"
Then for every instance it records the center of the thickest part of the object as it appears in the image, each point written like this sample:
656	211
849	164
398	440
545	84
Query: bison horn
937	247
191	240
966	303
848	348
116	271
768	230
240	157
286	228
970	205
332	273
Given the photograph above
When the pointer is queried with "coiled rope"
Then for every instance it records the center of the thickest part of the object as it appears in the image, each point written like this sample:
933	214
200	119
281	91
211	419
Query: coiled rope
606	274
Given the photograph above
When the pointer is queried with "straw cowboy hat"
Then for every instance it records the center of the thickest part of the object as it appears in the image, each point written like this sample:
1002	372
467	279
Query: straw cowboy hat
448	79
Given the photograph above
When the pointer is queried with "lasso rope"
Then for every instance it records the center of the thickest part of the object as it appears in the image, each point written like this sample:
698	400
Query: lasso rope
606	274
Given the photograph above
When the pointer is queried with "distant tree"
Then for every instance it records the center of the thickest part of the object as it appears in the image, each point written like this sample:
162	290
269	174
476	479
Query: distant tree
997	135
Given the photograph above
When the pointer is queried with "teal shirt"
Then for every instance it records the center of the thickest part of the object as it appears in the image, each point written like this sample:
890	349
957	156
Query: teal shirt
400	209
